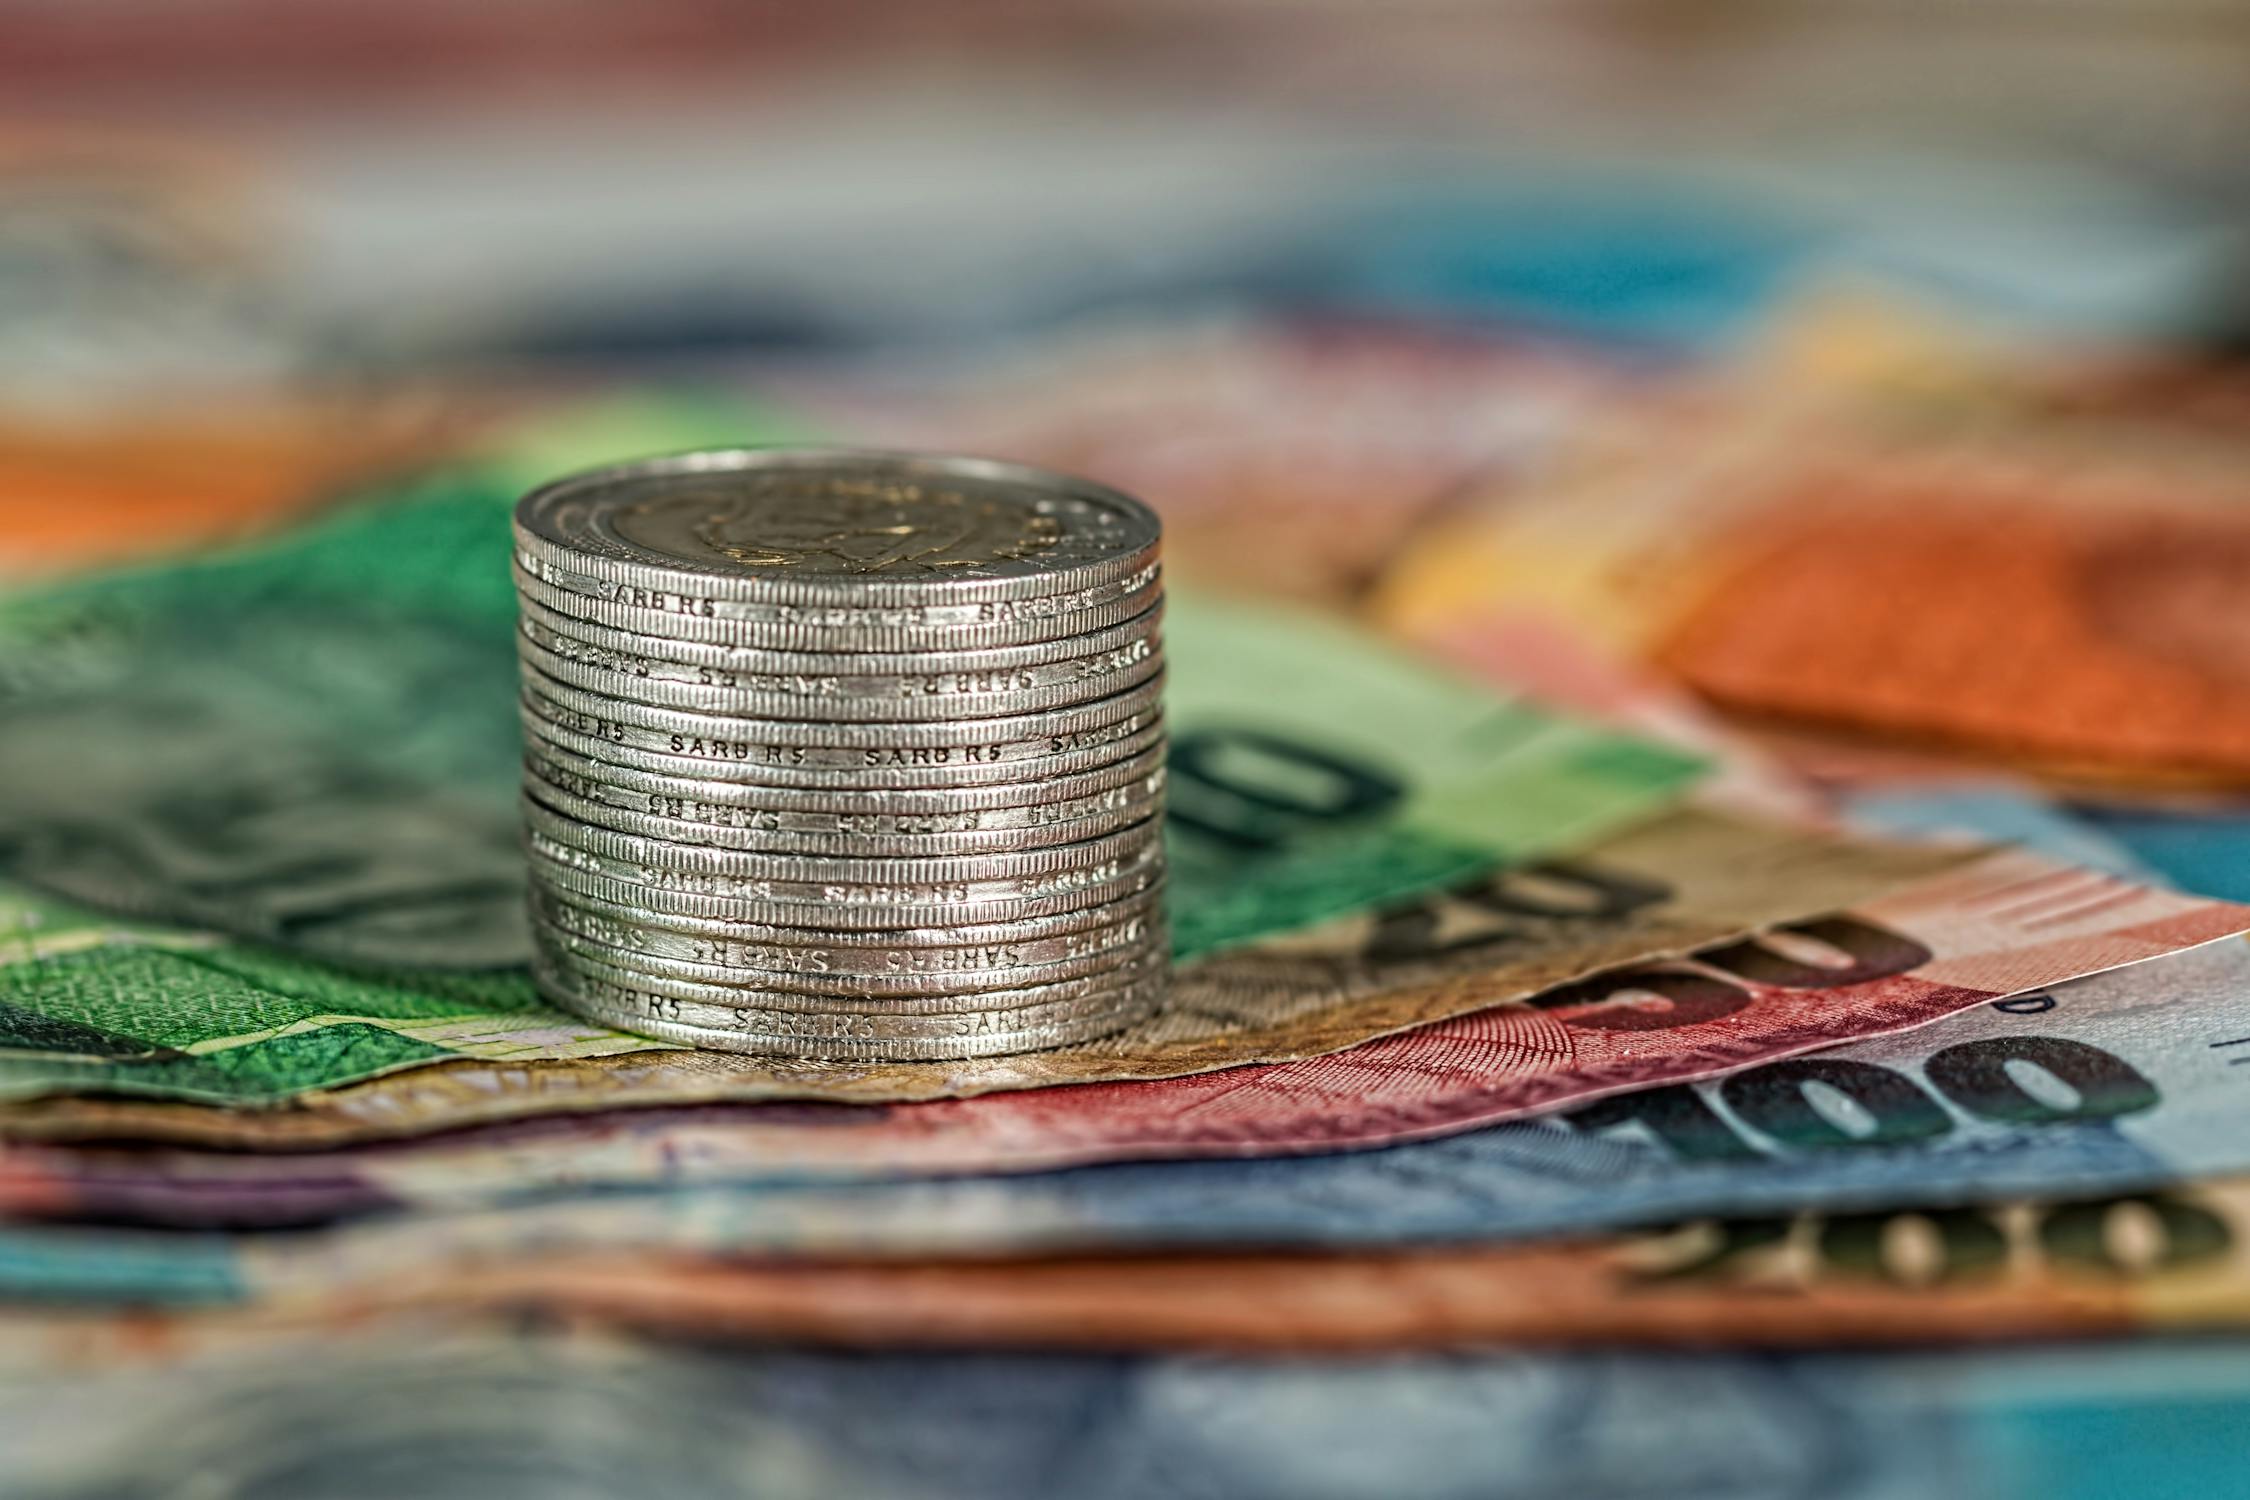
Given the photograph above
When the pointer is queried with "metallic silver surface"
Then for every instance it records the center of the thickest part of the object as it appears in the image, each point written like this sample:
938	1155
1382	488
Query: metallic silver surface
843	755
1141	775
823	628
730	657
1146	902
833	835
832	1038
940	691
1057	724
804	963
813	907
718	895
838	526
885	994
845	870
999	782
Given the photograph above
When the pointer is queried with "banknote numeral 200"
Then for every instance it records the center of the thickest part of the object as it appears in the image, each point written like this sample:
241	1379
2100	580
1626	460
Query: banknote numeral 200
1805	1103
2136	1234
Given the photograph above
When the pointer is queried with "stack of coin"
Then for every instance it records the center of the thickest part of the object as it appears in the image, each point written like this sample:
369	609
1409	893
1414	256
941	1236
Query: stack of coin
843	755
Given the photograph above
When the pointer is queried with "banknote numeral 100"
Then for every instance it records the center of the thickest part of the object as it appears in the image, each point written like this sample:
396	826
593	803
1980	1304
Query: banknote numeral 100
1825	1103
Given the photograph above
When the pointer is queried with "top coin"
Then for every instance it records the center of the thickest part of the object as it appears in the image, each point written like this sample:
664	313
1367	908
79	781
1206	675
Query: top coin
838	525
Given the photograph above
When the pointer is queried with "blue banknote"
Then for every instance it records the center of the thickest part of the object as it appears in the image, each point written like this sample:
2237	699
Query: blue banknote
2005	814
2112	1083
2201	849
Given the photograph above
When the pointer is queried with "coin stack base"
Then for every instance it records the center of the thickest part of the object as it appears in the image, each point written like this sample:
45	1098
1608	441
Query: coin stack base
843	755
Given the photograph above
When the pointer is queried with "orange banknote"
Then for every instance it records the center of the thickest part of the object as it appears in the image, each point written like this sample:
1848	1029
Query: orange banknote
111	488
2046	591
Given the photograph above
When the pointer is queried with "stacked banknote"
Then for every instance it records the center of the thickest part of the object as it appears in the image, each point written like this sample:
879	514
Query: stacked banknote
1482	1034
843	755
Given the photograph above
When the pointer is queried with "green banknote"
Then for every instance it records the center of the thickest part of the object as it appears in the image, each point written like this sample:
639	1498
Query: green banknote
260	806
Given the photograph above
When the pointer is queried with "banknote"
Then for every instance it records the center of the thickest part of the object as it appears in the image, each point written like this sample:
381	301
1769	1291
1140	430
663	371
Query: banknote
2016	589
2116	1085
1912	795
2197	846
2006	811
1894	961
276	1026
312	747
1546	656
450	1408
139	485
2170	1261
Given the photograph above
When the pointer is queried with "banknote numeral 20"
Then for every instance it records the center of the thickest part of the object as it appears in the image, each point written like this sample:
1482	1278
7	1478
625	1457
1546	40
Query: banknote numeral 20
1659	997
1825	1103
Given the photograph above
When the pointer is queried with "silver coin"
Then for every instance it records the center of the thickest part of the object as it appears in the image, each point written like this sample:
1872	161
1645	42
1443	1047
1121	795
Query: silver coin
940	691
1085	854
753	660
715	896
1147	903
1140	775
902	1015
630	1008
1040	727
1139	924
823	628
763	830
819	977
780	991
793	830
838	525
996	783
781	765
1067	797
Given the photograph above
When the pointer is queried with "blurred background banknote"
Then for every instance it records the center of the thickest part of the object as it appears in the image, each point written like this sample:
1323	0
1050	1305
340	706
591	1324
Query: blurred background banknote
1709	750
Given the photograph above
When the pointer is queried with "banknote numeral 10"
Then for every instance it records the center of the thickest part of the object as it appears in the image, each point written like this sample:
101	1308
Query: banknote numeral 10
1825	1103
1257	791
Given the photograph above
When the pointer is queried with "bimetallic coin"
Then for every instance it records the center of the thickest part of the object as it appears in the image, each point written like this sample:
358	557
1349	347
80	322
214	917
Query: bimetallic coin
631	1007
714	896
995	783
1142	775
808	627
940	691
763	830
907	992
838	525
1147	903
754	660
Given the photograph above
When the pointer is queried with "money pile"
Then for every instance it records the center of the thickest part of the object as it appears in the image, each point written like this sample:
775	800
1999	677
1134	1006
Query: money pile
843	755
